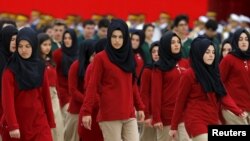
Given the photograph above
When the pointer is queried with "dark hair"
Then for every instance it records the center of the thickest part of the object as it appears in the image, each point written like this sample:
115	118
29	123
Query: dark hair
49	58
103	23
180	18
146	26
60	23
88	22
45	28
211	24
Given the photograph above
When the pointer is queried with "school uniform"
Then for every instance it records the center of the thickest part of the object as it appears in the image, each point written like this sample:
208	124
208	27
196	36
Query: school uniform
235	75
25	95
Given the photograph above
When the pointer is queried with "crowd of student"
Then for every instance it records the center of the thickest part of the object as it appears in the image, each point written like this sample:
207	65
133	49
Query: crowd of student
123	81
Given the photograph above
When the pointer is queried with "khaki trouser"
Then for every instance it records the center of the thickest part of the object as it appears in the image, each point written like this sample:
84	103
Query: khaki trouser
71	127
182	133
148	133
125	130
58	132
231	118
201	137
65	112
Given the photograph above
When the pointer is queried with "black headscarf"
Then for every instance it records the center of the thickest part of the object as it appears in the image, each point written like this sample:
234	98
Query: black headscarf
69	53
122	57
100	45
85	52
139	50
207	75
29	72
151	64
236	50
167	60
5	39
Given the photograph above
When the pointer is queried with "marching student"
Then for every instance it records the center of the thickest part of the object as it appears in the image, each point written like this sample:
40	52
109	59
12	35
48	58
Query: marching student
113	71
45	52
235	74
95	134
201	92
63	58
148	133
27	109
166	77
226	48
77	72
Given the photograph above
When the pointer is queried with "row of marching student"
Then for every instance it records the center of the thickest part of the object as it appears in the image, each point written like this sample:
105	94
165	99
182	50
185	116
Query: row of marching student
91	90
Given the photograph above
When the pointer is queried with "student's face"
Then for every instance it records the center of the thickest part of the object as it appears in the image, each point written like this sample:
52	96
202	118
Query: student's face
89	31
24	49
117	39
209	55
13	43
210	33
67	40
46	47
155	53
182	27
149	32
102	32
175	45
226	49
135	41
58	32
243	42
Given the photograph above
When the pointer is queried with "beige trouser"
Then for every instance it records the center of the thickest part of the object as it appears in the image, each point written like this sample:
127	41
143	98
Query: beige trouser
201	137
163	135
57	133
65	112
182	133
148	133
231	118
125	130
71	127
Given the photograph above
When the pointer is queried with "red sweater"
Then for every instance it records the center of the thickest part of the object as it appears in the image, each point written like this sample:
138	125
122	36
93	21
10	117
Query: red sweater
117	97
76	89
235	74
139	64
200	108
165	89
27	110
52	77
62	81
145	91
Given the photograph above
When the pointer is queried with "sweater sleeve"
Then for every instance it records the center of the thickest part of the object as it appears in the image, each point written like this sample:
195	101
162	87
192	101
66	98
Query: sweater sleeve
228	103
156	95
137	98
145	91
73	83
47	101
92	87
8	97
185	86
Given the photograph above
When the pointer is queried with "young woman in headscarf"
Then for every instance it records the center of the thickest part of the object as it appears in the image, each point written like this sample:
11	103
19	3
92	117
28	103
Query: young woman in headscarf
76	76
166	77
63	58
27	109
45	52
95	134
226	48
113	71
201	93
148	132
235	74
7	48
137	40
